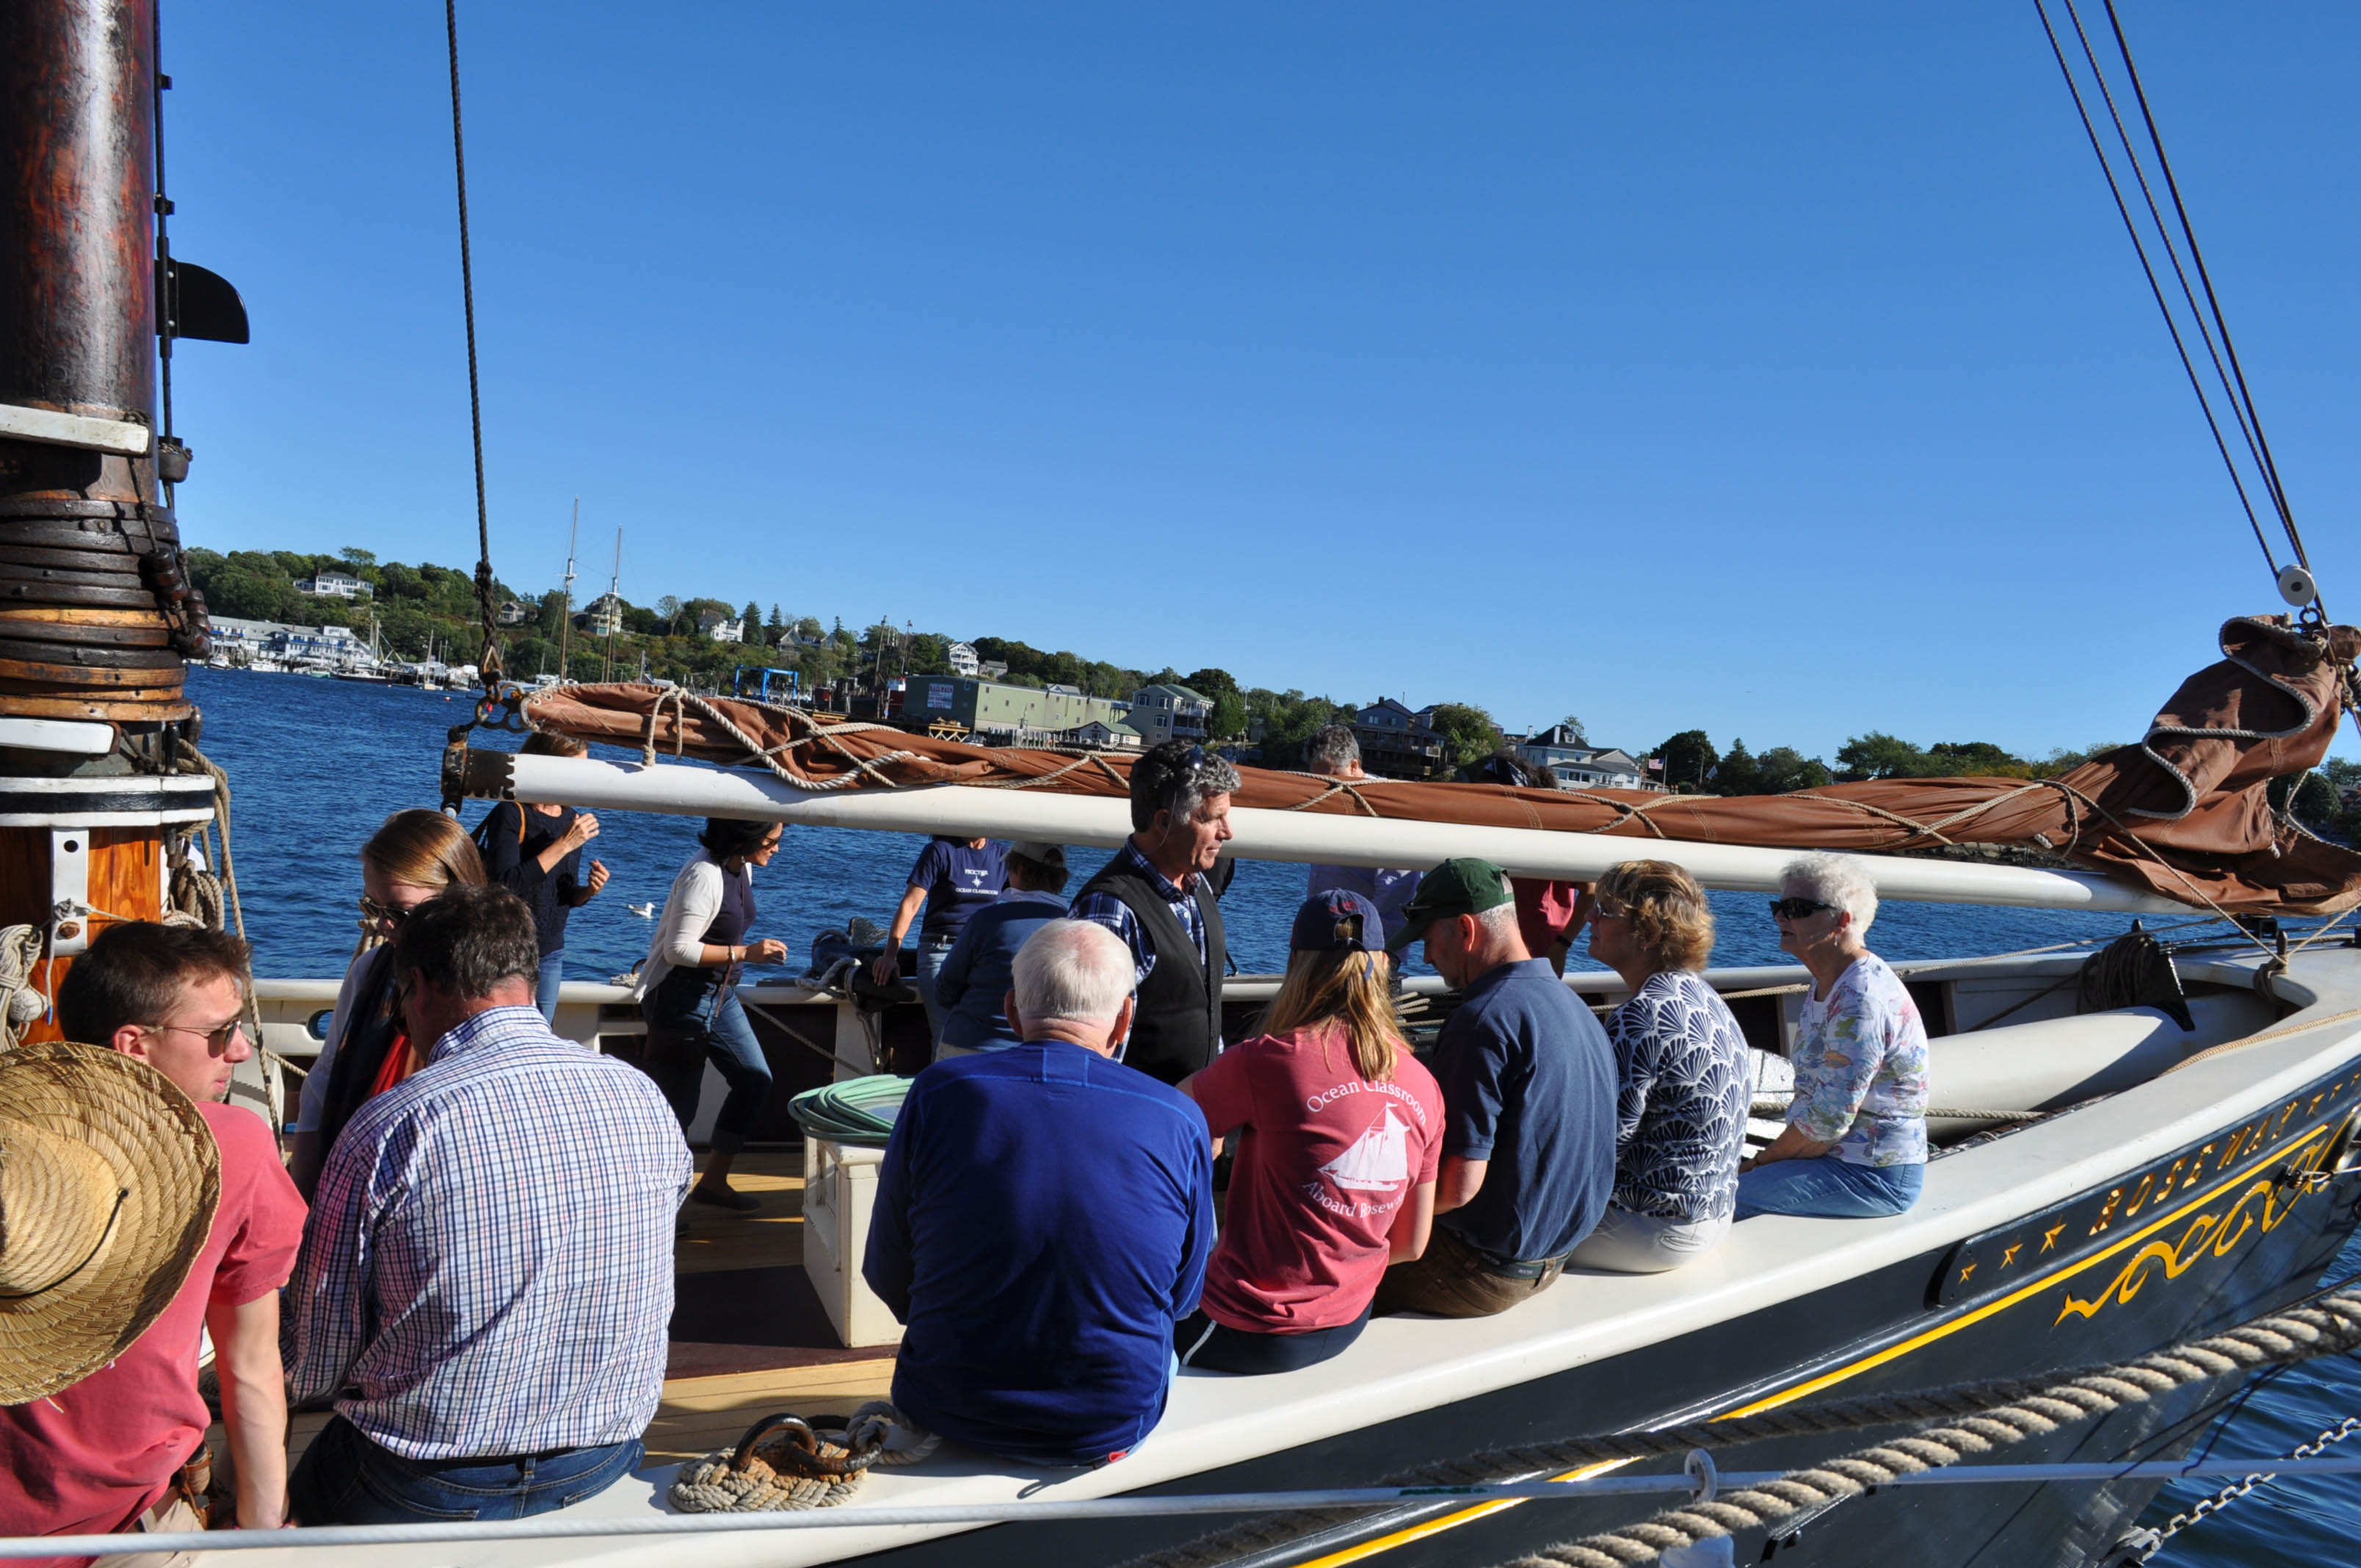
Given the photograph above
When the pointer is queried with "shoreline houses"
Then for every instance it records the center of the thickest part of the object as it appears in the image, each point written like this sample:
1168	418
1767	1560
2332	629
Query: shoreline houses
1577	764
330	584
1398	743
238	642
1164	711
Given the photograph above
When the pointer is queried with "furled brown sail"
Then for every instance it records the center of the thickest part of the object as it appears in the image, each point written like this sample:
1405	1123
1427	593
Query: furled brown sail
2182	813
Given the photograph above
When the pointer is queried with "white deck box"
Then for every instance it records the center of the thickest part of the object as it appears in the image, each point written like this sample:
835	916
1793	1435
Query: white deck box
839	1191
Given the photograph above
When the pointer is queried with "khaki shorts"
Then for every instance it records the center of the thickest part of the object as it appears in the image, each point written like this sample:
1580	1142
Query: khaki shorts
170	1517
1451	1279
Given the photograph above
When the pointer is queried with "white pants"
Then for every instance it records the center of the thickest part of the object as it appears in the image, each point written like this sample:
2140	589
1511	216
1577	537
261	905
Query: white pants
1626	1243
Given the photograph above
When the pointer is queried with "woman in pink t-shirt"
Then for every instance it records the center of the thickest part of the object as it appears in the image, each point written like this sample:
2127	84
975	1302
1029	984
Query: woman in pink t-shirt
1340	1132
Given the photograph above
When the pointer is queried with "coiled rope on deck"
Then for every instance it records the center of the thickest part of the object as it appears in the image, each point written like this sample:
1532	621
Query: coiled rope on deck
1979	1419
786	1463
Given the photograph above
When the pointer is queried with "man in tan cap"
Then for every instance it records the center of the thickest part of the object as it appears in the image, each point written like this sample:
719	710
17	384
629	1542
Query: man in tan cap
99	1407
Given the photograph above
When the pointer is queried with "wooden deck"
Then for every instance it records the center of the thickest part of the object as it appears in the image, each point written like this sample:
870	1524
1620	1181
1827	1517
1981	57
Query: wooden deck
749	1337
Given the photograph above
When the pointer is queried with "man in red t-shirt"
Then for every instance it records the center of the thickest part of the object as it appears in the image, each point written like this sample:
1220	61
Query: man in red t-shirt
104	1455
1550	916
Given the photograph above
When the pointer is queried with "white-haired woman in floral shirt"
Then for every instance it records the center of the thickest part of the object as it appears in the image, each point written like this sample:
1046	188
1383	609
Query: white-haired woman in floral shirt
1855	1144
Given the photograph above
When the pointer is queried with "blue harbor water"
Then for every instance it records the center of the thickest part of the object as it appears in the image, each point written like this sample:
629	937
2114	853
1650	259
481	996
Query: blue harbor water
316	764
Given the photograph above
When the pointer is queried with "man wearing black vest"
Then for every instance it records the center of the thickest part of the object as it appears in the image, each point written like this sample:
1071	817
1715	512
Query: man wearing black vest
1155	896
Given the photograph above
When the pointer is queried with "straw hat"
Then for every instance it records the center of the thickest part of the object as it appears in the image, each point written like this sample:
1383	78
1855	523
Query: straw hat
108	1181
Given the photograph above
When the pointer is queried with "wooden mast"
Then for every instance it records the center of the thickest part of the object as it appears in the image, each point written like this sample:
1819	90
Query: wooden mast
97	614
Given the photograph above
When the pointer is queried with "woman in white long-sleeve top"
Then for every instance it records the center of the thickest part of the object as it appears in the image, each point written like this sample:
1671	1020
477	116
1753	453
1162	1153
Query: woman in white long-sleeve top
689	992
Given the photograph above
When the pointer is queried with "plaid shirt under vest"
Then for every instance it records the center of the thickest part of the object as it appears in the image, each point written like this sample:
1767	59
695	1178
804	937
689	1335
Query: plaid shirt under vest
1105	909
488	1264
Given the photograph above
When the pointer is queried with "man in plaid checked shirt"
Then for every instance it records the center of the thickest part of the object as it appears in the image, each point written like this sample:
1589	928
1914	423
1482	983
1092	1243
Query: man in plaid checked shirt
487	1275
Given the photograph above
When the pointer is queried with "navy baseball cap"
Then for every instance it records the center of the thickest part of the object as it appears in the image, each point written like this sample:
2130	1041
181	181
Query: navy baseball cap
1338	920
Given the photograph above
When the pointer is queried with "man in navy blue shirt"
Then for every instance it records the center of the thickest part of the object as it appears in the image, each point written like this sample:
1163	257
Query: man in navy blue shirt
973	985
1528	1083
1043	1218
951	880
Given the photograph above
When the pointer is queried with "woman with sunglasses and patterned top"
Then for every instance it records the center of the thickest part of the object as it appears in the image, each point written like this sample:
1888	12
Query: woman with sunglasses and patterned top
414	856
1682	1082
1855	1145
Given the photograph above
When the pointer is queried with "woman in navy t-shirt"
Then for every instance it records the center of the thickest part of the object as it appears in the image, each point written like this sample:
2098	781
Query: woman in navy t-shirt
535	851
953	878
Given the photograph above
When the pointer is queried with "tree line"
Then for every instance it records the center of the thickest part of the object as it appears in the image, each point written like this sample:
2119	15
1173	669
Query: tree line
422	605
2327	799
416	607
1692	762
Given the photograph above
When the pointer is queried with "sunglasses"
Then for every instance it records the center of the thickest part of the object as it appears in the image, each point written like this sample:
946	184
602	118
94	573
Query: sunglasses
384	914
1796	908
1606	910
216	1039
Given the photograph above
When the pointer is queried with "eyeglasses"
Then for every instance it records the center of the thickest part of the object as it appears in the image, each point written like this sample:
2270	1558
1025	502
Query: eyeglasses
1603	910
1792	909
218	1040
384	914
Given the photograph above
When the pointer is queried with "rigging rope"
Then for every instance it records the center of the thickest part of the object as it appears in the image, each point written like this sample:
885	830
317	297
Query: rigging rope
489	661
2253	419
20	1003
2249	431
2131	228
1980	1417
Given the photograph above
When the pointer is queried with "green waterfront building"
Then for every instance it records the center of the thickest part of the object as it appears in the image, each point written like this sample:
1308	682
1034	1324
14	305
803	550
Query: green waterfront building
995	711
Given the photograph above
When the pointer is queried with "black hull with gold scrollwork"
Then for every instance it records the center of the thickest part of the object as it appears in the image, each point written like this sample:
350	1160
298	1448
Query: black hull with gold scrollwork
2197	1240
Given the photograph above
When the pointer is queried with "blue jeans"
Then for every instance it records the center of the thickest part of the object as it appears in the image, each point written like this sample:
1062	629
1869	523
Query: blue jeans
1217	1347
932	951
1828	1189
544	990
694	1017
345	1479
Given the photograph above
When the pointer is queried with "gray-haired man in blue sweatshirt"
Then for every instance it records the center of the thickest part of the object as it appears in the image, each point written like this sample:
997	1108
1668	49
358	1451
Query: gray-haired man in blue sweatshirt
1043	1218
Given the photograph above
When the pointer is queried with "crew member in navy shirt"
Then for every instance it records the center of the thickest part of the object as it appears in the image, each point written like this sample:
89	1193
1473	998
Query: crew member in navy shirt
953	878
973	984
535	851
1043	1218
1528	1083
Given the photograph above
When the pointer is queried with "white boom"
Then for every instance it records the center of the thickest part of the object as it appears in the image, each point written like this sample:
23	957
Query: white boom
971	812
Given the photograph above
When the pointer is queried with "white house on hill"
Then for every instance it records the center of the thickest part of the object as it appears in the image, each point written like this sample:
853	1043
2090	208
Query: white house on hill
332	585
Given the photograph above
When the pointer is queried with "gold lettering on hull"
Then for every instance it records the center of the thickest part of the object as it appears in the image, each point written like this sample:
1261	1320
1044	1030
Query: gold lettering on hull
2257	1204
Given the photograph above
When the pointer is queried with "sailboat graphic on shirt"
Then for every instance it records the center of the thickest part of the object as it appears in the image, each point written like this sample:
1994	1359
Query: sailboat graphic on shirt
1379	1160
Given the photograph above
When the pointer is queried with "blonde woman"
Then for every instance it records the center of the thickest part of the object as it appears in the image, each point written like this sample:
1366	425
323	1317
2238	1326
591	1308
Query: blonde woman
415	855
1335	1178
1681	1079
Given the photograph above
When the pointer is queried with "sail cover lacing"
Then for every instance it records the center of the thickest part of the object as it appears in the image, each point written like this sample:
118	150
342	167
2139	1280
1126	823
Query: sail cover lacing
2184	813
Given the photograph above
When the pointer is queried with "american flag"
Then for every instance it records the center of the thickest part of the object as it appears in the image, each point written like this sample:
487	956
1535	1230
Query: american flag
1655	765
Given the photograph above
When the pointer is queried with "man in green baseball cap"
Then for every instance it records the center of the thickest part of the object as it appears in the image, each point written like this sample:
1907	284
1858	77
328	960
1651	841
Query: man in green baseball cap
1528	1084
1461	886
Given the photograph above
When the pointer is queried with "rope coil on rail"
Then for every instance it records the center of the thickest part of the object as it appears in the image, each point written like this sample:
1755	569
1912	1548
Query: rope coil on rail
785	1461
1976	1419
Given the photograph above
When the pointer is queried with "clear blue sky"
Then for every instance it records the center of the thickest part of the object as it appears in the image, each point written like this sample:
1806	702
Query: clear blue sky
1780	370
